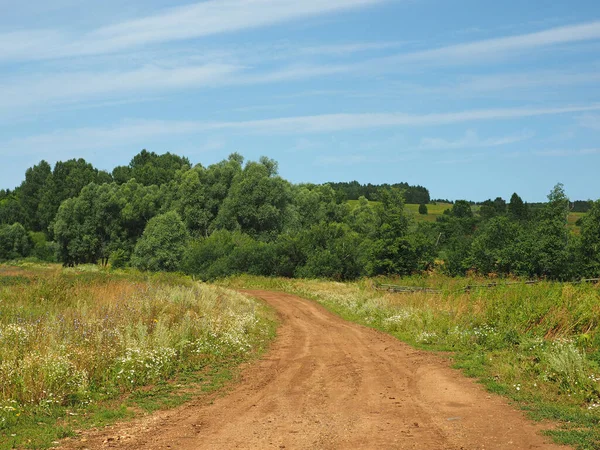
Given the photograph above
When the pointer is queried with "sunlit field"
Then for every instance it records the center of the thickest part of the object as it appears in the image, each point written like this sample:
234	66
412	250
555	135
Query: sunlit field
70	339
537	344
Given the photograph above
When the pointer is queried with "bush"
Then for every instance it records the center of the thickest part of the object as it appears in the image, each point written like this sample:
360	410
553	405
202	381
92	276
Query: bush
118	259
14	242
423	209
162	245
42	249
226	253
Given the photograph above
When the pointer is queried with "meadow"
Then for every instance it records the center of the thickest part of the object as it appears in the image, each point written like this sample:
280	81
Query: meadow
537	344
78	347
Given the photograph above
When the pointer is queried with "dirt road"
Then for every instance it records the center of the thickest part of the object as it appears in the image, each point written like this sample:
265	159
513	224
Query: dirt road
327	383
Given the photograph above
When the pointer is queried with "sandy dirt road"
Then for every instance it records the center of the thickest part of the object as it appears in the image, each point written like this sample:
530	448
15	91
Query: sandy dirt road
330	384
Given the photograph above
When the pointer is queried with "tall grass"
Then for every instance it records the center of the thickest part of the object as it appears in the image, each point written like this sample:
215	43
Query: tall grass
69	339
538	344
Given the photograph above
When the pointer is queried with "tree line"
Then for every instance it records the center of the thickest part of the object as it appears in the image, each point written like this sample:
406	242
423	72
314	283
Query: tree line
161	213
353	190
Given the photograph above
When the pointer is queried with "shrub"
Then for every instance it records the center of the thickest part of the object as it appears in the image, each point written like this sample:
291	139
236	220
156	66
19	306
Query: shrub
162	245
118	259
14	242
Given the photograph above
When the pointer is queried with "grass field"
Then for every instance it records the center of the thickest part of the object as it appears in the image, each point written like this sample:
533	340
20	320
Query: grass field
82	348
538	344
573	218
434	210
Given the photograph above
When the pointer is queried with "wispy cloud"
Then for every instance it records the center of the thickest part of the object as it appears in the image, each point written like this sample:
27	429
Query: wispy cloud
527	80
49	89
142	131
348	48
175	24
497	48
591	121
472	140
340	122
568	153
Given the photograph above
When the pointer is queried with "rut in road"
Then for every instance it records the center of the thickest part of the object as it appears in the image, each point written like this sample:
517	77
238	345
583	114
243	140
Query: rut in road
327	383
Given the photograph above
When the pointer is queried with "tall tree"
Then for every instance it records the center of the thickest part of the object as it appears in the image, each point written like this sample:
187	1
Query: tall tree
88	227
14	242
552	235
391	252
590	240
31	192
67	180
149	168
256	203
517	209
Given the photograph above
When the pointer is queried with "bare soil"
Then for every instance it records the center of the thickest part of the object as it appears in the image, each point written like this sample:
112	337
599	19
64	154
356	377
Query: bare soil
330	384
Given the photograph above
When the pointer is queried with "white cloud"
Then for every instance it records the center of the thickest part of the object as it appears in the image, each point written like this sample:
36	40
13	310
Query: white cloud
141	131
175	24
44	90
340	122
493	49
48	90
527	80
472	140
591	121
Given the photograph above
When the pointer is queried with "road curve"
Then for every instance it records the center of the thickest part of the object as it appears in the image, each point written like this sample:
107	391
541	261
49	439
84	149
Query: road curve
330	384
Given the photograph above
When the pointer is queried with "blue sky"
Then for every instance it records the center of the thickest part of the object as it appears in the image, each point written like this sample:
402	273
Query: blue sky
470	98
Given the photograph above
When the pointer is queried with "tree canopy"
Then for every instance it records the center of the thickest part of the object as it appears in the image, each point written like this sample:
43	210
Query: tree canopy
160	213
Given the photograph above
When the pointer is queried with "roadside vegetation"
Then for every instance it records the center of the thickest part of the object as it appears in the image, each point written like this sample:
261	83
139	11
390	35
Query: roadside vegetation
537	344
84	347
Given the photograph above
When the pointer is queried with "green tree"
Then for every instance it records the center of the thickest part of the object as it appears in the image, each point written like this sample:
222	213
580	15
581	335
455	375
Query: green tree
88	227
331	250
489	208
67	181
162	245
461	209
364	218
552	236
491	248
149	168
590	240
14	242
256	203
191	201
31	192
11	210
517	210
137	205
423	209
42	249
225	253
313	204
390	250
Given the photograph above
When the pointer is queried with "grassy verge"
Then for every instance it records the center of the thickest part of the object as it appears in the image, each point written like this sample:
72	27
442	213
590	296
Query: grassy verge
539	344
84	348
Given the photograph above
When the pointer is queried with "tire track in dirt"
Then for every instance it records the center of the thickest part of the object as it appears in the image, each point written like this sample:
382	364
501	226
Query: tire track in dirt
330	384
